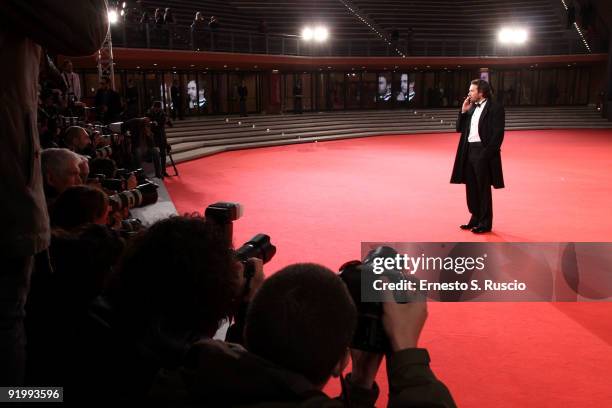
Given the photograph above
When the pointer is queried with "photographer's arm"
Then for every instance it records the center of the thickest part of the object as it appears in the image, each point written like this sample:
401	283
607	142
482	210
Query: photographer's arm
360	390
411	381
236	330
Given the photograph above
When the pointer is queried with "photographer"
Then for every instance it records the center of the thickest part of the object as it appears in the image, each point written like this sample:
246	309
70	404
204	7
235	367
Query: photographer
107	102
159	120
78	140
60	170
298	330
141	142
48	120
82	258
80	205
177	281
106	167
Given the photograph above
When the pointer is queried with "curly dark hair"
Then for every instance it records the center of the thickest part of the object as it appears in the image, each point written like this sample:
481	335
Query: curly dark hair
179	274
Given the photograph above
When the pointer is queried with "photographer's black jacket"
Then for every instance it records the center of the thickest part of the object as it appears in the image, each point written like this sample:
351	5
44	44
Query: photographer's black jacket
216	373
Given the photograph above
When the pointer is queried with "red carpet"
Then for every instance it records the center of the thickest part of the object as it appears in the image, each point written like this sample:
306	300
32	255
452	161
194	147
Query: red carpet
318	201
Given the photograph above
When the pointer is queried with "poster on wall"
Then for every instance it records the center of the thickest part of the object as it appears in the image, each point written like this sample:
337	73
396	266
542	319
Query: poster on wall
384	87
196	96
406	90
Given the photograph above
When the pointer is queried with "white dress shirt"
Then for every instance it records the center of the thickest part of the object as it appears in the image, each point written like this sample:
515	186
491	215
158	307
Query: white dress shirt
73	83
474	136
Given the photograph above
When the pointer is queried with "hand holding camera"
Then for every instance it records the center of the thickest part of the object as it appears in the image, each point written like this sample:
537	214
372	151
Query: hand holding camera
392	324
403	323
365	367
256	277
132	182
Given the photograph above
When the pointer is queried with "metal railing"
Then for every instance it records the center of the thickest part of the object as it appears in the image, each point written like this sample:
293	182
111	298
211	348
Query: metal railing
184	37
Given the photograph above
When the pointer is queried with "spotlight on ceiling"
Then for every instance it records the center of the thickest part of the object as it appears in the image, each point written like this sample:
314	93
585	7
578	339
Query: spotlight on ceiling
113	17
320	34
317	34
307	34
512	36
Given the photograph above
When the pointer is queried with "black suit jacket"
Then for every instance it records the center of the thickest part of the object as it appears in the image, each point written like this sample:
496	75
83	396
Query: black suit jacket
112	100
491	131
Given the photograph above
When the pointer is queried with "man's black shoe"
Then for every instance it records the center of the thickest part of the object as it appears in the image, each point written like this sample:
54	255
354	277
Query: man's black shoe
467	226
480	230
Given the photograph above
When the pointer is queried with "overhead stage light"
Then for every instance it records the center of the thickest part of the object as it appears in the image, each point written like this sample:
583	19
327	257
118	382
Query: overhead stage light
307	34
512	35
113	17
320	34
317	34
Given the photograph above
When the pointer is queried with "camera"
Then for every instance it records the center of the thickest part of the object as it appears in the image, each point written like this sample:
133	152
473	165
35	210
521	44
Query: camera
130	227
370	334
224	214
69	121
114	184
257	247
138	173
103	152
140	196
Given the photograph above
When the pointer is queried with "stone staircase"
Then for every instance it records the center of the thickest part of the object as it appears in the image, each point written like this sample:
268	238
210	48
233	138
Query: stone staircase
199	137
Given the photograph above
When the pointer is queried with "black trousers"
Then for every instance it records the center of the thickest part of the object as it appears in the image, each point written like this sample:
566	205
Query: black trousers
177	107
478	187
297	105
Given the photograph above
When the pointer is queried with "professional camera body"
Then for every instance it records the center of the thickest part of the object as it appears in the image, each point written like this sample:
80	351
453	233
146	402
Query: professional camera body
138	173
119	183
130	227
224	214
370	334
103	152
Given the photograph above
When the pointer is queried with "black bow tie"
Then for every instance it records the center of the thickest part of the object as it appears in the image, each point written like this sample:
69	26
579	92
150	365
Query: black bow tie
478	105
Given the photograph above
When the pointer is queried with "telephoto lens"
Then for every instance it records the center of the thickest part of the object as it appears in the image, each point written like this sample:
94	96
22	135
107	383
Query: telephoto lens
140	196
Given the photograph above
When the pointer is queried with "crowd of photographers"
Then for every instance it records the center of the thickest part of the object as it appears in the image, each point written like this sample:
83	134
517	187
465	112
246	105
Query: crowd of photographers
111	312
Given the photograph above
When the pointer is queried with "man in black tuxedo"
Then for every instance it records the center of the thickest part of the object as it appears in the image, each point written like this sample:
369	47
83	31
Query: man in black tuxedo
478	160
